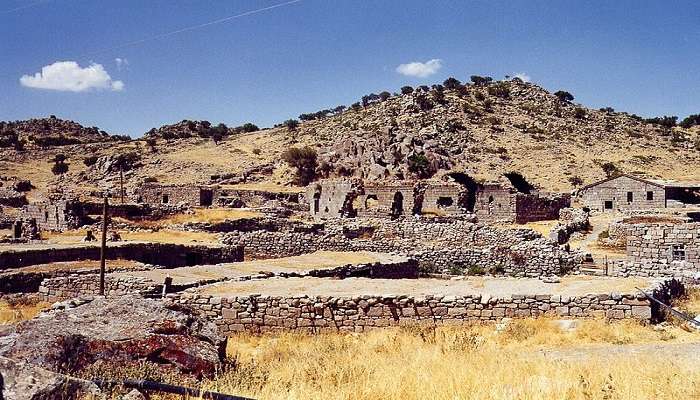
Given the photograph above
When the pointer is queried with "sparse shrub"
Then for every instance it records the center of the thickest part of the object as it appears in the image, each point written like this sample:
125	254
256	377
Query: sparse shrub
356	106
420	165
690	120
479	96
480	80
60	166
452	83
383	96
304	160
291	124
423	103
90	161
438	97
473	270
151	143
406	90
610	169
249	127
580	113
257	151
499	90
564	96
575	181
127	161
665	121
608	110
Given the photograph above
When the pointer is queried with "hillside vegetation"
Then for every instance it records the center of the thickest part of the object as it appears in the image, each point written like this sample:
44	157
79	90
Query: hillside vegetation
483	129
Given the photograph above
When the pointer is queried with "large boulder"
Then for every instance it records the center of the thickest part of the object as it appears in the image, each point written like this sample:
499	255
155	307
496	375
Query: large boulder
123	330
24	381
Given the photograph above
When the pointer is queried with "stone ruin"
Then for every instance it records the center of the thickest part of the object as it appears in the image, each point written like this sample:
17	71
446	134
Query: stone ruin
490	202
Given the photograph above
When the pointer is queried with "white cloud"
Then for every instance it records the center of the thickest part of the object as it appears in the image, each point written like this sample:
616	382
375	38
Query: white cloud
523	76
121	63
419	69
68	76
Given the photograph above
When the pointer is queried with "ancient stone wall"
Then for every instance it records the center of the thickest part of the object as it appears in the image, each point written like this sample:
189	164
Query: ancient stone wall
442	199
164	254
58	216
193	195
332	198
539	207
662	250
74	285
495	203
358	313
614	194
386	200
452	244
251	198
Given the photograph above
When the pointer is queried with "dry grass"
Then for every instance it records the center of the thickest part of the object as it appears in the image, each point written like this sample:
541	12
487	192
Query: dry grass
203	215
541	227
157	236
472	362
13	313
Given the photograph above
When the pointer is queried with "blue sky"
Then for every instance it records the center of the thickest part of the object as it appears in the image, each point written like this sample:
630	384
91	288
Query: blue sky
636	56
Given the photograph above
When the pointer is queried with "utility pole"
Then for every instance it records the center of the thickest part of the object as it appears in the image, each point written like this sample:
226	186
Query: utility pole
103	246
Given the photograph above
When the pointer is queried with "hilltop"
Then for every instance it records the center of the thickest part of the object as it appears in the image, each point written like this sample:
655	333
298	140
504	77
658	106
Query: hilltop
51	131
483	130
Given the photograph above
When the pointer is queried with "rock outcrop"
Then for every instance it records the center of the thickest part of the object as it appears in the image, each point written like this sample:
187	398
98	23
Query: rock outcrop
116	331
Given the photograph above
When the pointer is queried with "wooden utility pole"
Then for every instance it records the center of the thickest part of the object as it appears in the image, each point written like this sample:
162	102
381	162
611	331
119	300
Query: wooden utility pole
103	246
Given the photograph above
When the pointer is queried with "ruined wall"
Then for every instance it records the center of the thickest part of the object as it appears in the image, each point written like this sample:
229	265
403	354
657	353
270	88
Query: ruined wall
381	200
451	244
495	203
193	195
332	198
662	250
66	287
442	199
615	191
358	313
539	207
251	198
164	254
58	216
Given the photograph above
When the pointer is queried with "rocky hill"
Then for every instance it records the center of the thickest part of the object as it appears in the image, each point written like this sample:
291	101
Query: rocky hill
52	131
483	130
491	128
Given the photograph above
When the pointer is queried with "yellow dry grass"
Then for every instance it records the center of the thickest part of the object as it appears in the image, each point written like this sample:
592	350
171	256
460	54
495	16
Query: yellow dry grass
157	236
470	362
13	313
204	215
541	227
170	236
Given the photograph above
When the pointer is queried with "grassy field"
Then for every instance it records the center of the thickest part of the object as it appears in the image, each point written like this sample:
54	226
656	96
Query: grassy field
472	362
13	313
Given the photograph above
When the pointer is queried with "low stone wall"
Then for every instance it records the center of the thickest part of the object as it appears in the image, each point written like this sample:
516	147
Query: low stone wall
570	220
163	254
66	287
358	313
436	244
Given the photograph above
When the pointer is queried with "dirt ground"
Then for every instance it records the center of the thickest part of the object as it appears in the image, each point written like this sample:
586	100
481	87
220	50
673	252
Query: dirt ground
317	260
496	287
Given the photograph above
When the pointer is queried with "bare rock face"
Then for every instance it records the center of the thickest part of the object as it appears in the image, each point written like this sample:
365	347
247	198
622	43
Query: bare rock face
117	331
23	381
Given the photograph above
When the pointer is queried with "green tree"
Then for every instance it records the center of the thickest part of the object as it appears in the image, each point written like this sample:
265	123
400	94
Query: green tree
304	160
564	95
60	166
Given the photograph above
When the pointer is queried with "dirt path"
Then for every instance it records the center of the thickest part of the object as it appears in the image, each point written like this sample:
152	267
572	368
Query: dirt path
670	351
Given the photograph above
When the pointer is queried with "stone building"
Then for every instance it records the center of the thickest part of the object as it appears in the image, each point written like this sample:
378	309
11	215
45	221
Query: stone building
56	216
193	195
628	192
331	198
667	249
443	198
389	199
503	202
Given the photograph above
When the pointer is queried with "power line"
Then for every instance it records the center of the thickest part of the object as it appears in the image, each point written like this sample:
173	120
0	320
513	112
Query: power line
193	27
30	5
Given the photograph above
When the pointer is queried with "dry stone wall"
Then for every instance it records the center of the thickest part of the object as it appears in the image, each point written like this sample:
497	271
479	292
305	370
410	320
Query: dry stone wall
164	254
451	244
75	285
358	313
662	250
